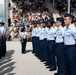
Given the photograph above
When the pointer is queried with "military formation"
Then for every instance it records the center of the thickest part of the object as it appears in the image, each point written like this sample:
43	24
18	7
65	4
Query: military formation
54	43
2	40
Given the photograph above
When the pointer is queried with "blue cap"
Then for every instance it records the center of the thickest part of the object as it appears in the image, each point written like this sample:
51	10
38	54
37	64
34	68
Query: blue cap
33	23
54	21
60	19
43	22
38	22
51	21
2	23
69	15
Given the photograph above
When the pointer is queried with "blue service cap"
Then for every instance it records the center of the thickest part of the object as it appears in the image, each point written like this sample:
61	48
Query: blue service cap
38	22
69	15
2	23
60	19
51	21
43	22
54	21
33	23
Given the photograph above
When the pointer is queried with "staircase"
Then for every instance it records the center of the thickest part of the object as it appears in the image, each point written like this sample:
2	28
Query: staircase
52	9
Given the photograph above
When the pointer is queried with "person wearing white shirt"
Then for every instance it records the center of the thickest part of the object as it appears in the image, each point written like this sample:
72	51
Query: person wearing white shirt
60	53
38	29
23	39
70	44
3	31
43	41
0	43
51	45
34	35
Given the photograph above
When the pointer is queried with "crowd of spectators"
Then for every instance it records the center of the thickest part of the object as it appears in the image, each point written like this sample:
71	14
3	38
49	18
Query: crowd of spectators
27	12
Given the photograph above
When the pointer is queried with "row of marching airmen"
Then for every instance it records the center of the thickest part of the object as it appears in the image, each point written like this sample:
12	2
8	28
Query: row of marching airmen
2	40
55	43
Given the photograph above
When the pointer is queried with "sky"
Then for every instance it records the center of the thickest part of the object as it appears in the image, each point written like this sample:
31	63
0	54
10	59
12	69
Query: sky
1	10
1	1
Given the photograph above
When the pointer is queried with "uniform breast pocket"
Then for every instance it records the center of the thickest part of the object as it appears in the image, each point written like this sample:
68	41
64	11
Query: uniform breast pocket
51	35
67	33
59	33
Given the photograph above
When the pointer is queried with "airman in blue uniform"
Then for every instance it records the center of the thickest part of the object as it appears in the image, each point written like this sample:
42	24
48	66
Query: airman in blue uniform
60	53
0	42
43	41
23	40
70	44
38	28
3	42
34	34
51	45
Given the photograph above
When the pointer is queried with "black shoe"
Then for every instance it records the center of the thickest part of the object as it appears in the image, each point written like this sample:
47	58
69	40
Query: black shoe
55	73
47	64
3	55
23	52
47	67
33	52
42	60
52	69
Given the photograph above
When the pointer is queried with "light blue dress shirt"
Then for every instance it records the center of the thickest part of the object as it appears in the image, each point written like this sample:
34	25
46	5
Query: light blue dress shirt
42	34
46	31
3	30
51	34
70	35
23	34
34	32
59	34
38	29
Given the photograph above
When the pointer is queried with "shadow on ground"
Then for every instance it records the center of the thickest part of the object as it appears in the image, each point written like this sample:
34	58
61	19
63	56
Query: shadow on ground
6	64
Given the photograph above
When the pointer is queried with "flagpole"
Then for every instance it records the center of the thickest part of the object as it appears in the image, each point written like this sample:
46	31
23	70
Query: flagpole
6	13
68	6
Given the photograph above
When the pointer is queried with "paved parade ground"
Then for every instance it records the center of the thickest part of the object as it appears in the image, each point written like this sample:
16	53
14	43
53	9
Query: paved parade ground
15	63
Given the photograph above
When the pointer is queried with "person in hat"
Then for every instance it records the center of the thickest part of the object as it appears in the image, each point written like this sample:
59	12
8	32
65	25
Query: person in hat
23	40
59	39
51	46
0	42
70	44
38	28
43	41
3	31
34	34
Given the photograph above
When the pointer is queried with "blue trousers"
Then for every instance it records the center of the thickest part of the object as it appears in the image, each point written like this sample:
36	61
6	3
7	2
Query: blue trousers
34	43
38	47
3	47
60	54
51	54
43	49
70	52
23	44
